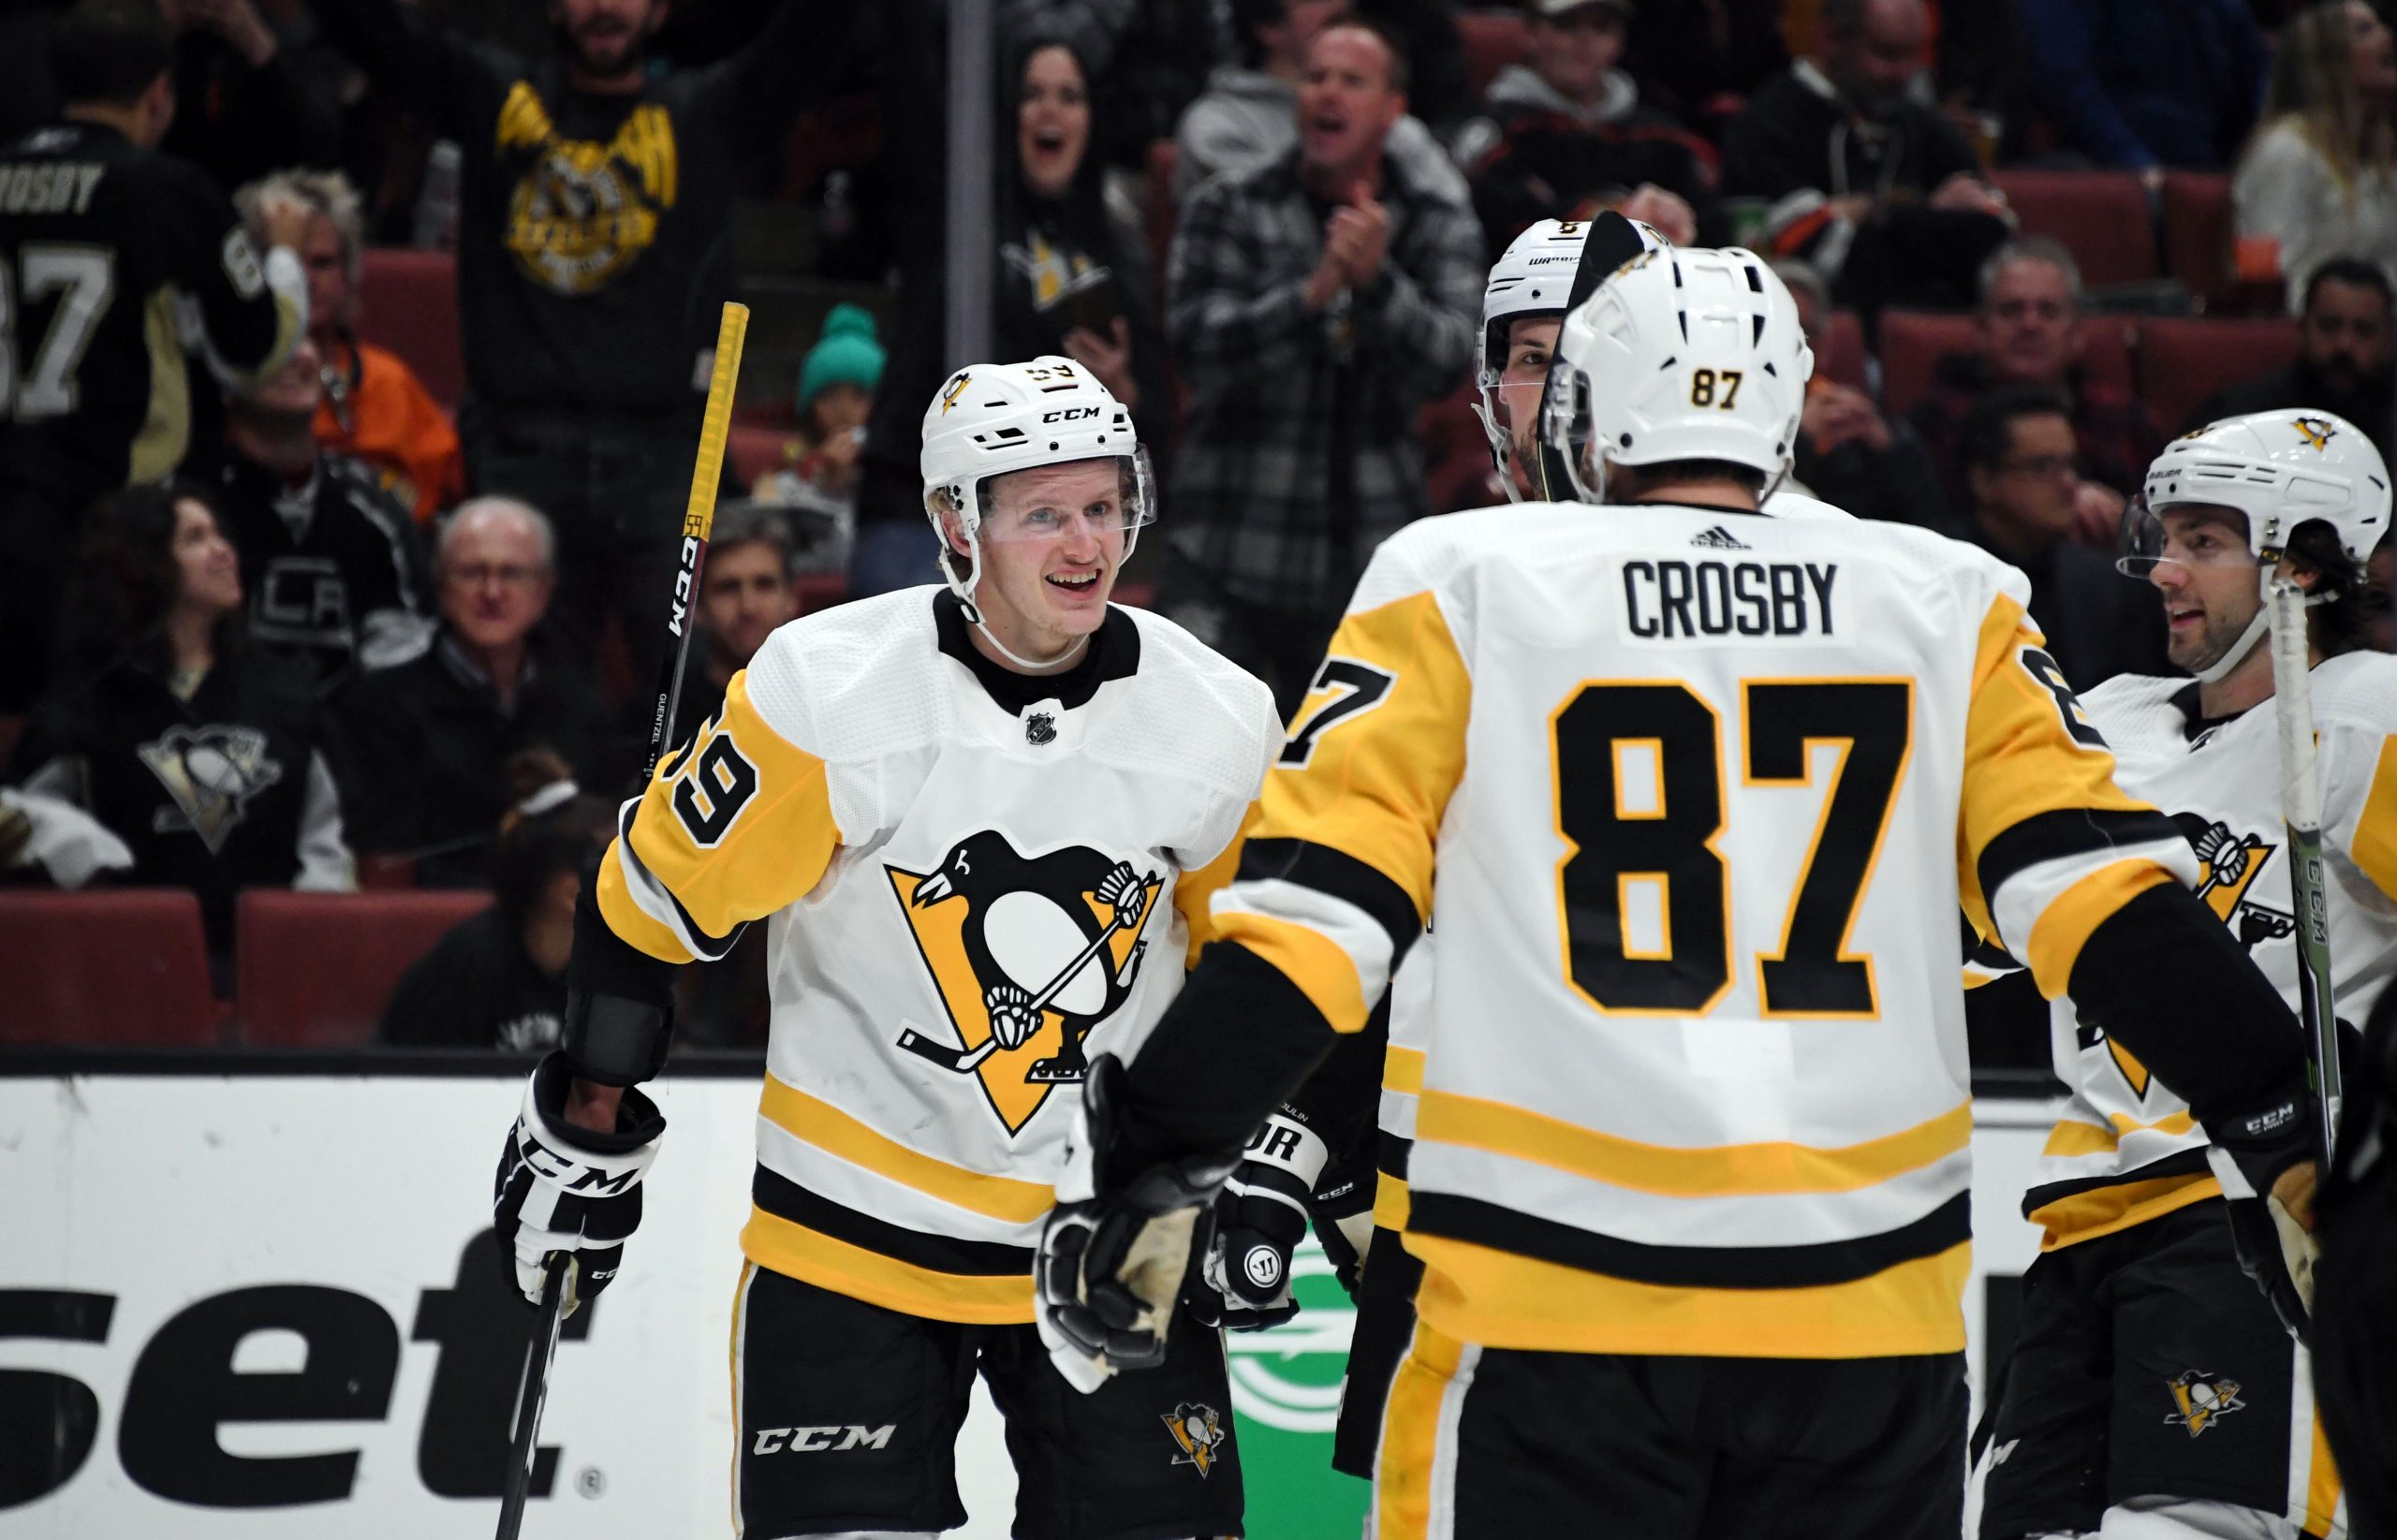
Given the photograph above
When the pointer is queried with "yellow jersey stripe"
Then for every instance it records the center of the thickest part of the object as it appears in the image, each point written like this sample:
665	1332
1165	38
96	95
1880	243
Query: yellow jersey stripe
819	1122
1501	1299
2322	1485
2065	925
2071	1137
2094	1212
1721	1171
2374	847
1402	1070
1389	1202
1405	1464
814	1257
633	924
1195	889
1319	966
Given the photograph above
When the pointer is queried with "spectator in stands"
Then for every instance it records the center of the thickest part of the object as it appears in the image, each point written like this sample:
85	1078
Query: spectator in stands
251	101
818	485
1249	116
330	561
202	753
374	409
1567	134
592	263
2029	335
1316	305
2346	359
147	244
1071	281
2380	594
2145	84
425	744
1700	60
745	593
2319	180
497	979
1878	190
1848	454
2019	453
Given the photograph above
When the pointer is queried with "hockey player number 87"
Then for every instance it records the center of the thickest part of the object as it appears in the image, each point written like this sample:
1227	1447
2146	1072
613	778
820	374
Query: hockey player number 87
1674	845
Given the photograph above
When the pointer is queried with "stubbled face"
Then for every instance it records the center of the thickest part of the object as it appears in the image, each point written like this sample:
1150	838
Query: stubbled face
2034	486
744	593
1052	122
1346	108
494	584
1052	541
2030	327
1572	52
1530	344
2344	334
1875	65
2209	582
207	569
608	37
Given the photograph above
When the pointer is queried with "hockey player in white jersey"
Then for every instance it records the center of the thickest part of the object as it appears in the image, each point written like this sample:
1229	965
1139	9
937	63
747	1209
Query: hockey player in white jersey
1703	789
978	821
2152	1391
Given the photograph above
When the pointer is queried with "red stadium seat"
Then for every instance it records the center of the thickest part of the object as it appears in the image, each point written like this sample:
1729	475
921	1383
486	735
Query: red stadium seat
408	302
1843	355
2101	216
754	450
120	968
2197	233
1912	341
1492	40
315	970
2181	363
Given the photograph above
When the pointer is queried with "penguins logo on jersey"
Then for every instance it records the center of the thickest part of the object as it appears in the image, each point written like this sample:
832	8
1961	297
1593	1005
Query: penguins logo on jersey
1028	954
2317	432
2203	1400
582	212
2233	862
1198	1431
212	772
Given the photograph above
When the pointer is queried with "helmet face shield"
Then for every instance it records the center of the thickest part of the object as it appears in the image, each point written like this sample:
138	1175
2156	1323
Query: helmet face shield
1108	494
2186	536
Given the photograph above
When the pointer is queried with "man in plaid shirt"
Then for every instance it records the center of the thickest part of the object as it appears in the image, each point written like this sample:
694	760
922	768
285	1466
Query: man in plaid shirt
1315	305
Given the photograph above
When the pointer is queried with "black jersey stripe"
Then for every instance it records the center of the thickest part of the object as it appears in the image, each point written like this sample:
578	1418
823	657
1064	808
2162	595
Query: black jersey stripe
1341	875
2066	831
2182	1162
784	1198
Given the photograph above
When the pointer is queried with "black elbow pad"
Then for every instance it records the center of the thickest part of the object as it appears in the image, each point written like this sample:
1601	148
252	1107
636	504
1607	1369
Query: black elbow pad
619	1002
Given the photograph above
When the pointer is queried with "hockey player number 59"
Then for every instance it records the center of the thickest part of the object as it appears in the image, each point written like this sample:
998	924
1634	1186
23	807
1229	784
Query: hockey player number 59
1672	839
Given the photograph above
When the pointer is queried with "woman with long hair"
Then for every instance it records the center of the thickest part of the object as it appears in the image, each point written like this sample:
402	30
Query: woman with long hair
2320	176
201	753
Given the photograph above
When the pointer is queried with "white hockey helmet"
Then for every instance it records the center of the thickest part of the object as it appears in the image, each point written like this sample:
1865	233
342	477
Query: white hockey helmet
990	418
2282	470
1683	353
1534	276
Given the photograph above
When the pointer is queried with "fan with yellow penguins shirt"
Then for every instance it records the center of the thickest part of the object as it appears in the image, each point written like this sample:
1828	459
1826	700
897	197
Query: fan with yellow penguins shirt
1690	794
981	822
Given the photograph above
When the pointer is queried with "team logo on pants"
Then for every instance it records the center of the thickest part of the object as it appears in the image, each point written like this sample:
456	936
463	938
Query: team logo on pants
1028	953
2203	1400
1197	1430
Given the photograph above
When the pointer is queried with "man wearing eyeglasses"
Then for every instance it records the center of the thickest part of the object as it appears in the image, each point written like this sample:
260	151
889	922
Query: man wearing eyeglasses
2018	459
426	742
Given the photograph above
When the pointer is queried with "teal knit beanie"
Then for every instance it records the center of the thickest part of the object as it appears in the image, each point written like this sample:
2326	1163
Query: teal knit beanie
847	354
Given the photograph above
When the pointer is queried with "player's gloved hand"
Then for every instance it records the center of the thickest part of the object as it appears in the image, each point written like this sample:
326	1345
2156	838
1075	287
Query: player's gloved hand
2264	1159
567	1189
1343	1211
1115	1252
1261	1218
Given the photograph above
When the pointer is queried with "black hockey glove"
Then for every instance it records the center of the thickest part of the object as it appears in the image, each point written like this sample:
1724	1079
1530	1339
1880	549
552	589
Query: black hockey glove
1261	1218
1114	1254
567	1189
1343	1211
2251	1152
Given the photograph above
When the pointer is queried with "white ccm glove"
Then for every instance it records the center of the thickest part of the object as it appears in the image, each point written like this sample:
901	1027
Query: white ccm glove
567	1189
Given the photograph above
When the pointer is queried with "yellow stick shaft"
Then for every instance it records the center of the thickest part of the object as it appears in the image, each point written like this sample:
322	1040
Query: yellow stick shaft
717	426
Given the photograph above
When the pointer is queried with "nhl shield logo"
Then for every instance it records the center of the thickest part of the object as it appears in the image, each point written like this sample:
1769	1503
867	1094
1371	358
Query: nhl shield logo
2203	1400
1040	729
1028	954
1198	1431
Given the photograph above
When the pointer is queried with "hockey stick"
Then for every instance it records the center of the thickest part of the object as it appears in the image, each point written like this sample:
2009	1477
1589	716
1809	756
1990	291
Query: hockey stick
964	1060
1614	241
532	1390
559	1269
2301	811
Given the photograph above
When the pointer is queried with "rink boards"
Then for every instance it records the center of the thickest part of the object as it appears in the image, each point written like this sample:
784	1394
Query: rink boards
266	1304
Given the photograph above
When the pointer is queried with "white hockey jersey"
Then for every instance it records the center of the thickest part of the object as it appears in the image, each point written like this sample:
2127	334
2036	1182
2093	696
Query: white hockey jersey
1701	791
2126	1149
966	902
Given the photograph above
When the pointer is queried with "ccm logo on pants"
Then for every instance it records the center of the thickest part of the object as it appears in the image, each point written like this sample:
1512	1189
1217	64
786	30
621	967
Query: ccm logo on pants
807	1440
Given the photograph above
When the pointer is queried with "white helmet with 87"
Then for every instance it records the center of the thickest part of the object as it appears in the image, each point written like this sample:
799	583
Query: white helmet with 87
1683	354
991	418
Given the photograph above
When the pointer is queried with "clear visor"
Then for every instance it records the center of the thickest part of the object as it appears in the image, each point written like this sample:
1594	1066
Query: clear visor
2149	539
1109	495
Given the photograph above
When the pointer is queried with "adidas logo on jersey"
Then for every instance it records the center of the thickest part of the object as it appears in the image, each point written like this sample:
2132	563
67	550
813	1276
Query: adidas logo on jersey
1715	537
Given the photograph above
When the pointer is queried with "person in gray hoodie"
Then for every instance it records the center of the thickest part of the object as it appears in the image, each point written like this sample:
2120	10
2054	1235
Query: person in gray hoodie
1566	134
1249	116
